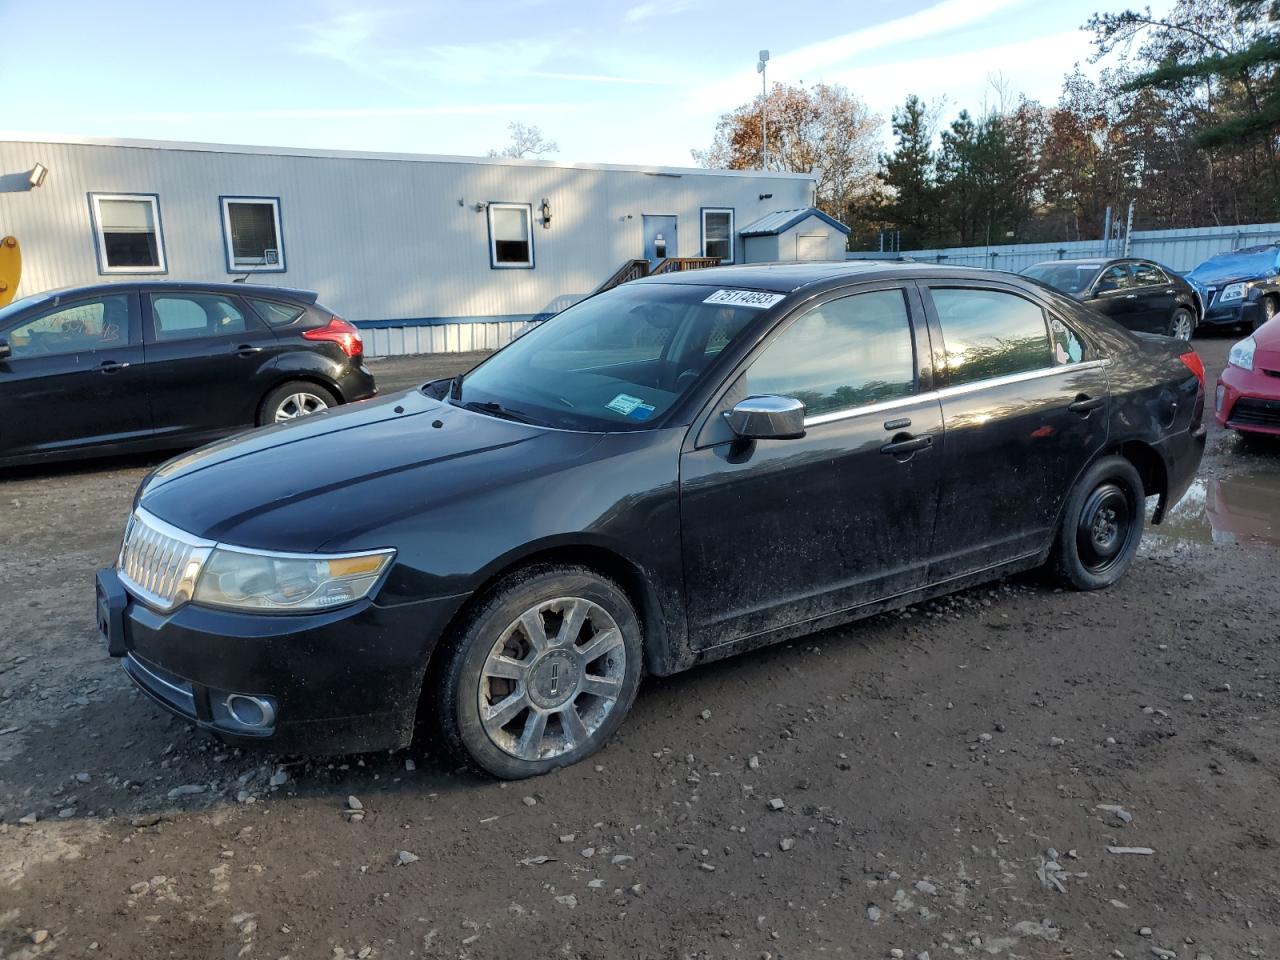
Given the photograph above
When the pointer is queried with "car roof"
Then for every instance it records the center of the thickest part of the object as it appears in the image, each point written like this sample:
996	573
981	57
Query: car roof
158	286
790	277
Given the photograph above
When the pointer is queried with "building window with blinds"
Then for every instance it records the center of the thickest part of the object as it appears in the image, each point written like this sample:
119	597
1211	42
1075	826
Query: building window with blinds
717	233
251	231
127	229
510	236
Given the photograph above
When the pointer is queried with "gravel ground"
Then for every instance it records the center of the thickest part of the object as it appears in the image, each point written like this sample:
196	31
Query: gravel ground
962	778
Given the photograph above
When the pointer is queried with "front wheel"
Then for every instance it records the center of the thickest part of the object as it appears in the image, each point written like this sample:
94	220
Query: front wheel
1182	324
1270	306
1101	526
542	673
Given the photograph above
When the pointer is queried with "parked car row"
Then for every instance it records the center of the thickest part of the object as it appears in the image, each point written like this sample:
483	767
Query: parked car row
120	367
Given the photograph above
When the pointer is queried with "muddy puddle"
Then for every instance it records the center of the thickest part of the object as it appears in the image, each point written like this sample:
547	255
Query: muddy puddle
1241	509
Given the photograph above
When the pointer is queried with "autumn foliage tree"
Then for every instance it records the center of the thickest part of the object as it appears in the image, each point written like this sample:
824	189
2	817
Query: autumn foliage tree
823	130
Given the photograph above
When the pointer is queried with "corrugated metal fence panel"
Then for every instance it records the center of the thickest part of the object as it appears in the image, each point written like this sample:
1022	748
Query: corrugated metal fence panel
443	338
1179	249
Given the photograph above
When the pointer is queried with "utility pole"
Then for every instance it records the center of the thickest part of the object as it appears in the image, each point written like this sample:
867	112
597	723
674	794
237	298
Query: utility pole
1128	227
764	109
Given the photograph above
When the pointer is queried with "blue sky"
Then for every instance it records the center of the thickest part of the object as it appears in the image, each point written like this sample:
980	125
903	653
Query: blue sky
637	81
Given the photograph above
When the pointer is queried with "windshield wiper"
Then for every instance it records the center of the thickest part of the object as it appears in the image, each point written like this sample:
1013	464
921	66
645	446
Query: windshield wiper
498	410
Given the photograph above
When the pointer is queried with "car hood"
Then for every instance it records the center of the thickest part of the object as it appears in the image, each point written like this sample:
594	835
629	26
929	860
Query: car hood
326	479
1241	265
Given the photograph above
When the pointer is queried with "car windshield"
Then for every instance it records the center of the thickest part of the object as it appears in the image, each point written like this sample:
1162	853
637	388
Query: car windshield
17	306
1067	277
616	361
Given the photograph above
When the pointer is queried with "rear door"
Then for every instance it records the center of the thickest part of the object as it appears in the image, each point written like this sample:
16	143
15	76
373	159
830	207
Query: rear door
779	532
1024	404
75	376
1155	296
208	361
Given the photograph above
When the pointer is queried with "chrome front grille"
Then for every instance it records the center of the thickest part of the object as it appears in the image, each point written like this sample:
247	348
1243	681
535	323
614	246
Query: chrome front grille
159	563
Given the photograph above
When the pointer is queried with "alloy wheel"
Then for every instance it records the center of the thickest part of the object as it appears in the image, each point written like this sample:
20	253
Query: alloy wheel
1182	326
1105	527
552	678
299	405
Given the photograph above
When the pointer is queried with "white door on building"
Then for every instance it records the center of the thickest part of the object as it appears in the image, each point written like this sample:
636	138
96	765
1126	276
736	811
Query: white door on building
811	246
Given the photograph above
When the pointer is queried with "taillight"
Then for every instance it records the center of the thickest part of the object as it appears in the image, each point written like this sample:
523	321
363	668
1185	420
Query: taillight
1194	364
346	336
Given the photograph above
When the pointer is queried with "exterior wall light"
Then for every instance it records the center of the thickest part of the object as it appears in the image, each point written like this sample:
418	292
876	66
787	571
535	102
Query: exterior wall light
37	175
546	214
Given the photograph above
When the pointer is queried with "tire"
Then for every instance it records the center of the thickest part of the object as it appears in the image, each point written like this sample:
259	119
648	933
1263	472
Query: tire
504	707
1101	526
1270	306
1182	324
295	399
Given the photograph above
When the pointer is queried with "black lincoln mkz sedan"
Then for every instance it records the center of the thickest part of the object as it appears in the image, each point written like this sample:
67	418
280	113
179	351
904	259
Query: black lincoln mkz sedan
154	365
667	473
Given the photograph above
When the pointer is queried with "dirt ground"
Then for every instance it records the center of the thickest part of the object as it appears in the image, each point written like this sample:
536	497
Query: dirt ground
952	780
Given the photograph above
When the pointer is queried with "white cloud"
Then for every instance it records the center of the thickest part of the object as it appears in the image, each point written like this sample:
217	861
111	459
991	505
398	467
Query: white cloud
809	61
644	11
596	78
354	113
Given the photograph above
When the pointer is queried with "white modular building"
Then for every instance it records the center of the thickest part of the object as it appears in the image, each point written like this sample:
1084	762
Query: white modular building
426	253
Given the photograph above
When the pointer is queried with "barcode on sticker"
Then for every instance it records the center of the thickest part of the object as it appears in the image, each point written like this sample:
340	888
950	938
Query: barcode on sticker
745	298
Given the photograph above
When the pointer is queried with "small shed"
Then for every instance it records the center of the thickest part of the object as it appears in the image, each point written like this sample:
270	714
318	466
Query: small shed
803	234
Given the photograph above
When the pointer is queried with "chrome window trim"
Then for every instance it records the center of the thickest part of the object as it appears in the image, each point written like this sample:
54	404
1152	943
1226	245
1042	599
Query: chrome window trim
945	392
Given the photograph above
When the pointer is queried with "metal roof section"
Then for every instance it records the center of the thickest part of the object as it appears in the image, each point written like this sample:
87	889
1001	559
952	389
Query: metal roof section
180	145
780	221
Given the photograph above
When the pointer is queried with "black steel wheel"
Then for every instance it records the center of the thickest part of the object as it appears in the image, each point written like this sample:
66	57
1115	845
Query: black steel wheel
1101	526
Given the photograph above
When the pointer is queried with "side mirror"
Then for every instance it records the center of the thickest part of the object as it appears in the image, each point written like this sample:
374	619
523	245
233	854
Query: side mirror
767	418
5	350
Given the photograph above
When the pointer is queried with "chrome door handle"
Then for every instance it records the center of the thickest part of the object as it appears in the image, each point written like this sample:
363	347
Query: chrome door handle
1131	296
246	350
112	366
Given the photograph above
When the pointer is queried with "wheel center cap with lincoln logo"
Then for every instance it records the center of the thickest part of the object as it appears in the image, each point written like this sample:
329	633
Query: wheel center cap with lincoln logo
553	679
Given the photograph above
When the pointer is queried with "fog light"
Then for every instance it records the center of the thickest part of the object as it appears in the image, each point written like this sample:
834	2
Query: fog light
255	712
1217	398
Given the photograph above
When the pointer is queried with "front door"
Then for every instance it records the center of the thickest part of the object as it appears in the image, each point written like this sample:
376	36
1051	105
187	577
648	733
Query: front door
1114	296
779	532
1024	404
74	377
659	238
205	355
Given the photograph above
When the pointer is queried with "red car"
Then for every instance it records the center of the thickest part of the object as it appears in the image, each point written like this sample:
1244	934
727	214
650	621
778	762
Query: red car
1248	397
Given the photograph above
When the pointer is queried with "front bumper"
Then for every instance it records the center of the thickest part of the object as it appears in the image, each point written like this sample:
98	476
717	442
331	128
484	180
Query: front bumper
1233	313
1248	400
338	681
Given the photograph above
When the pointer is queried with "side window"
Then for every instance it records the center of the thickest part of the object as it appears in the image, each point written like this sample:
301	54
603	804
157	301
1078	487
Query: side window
990	333
277	314
74	328
846	353
1148	275
1067	347
195	315
1113	278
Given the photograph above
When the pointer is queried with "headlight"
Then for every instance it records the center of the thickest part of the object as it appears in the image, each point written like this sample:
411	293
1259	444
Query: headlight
242	579
1233	291
1241	354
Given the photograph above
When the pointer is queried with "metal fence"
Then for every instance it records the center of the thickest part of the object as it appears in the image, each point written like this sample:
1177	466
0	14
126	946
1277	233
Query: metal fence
1178	249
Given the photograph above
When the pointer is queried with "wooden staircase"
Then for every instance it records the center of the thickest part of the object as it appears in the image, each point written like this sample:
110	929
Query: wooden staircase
635	269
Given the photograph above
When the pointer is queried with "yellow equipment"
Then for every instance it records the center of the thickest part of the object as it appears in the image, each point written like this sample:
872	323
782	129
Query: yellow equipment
10	269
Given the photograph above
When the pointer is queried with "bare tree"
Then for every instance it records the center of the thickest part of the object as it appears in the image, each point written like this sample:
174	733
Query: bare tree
826	131
525	142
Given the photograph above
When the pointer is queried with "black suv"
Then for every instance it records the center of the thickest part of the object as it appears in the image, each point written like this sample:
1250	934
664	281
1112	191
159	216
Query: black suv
117	367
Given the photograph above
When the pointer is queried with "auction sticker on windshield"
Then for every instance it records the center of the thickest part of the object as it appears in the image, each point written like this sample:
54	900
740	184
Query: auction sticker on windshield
745	298
624	404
